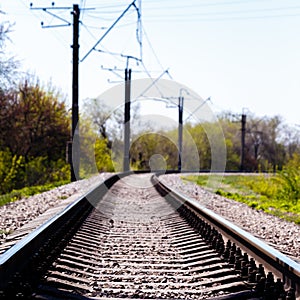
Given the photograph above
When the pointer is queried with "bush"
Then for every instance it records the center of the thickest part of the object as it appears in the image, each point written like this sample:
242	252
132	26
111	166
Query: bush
289	180
11	171
39	171
16	174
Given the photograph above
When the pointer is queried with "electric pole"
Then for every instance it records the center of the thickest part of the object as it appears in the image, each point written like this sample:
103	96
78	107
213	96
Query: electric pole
126	162
73	146
242	166
180	115
75	153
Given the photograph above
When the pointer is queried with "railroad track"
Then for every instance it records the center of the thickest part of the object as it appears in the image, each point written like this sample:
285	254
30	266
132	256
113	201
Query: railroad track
136	238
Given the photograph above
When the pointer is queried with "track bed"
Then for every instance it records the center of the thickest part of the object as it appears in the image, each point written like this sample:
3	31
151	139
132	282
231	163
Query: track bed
135	244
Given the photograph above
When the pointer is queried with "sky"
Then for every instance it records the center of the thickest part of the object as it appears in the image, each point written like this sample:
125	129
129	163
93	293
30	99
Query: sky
244	55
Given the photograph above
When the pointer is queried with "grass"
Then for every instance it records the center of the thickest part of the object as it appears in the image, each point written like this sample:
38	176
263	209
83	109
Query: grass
28	191
261	192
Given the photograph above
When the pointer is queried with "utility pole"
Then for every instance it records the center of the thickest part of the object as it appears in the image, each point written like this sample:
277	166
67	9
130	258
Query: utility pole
75	153
242	166
180	115
126	162
73	146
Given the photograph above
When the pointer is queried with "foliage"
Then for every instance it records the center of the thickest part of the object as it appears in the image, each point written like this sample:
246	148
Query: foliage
15	173
148	146
267	144
198	136
106	120
34	122
39	171
289	181
102	119
11	171
34	129
34	126
103	158
261	192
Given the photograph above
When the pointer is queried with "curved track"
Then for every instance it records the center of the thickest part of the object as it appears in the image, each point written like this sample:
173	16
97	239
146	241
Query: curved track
138	240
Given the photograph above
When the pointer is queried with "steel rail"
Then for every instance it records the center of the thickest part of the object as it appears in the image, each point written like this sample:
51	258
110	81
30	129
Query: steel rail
31	253
22	265
282	266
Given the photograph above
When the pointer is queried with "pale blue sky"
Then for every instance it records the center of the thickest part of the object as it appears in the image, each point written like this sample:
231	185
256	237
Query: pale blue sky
243	54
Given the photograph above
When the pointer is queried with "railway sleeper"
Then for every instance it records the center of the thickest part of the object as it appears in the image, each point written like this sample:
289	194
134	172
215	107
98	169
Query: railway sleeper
222	269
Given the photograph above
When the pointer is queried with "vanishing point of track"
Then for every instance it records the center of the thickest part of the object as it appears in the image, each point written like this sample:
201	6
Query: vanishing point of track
135	238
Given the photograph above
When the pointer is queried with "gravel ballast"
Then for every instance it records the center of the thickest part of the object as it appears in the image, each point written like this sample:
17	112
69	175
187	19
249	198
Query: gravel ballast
278	233
282	235
16	214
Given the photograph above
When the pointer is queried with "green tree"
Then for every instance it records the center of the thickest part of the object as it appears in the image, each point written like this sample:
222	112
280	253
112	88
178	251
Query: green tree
34	122
108	121
34	130
103	157
150	144
200	138
11	171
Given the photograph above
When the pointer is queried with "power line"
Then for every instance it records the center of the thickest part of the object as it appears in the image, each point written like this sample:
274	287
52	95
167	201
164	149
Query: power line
229	19
248	11
154	81
97	6
139	28
197	4
107	31
82	7
152	49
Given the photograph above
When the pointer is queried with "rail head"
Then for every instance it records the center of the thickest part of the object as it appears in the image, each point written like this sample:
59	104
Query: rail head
280	264
23	258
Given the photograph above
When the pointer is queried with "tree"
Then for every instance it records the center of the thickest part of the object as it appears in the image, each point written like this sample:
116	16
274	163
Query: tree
265	148
8	63
263	143
153	145
34	130
11	171
291	139
34	122
103	157
108	121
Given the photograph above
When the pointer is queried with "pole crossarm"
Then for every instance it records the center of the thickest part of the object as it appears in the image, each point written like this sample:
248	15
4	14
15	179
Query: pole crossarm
120	54
47	10
107	31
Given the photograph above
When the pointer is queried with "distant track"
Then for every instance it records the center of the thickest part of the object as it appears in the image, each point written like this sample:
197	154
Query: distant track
136	238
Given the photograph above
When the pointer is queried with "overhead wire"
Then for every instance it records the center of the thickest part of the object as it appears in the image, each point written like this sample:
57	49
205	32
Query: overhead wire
106	50
195	4
224	19
185	15
82	8
97	6
108	30
152	49
139	33
248	11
